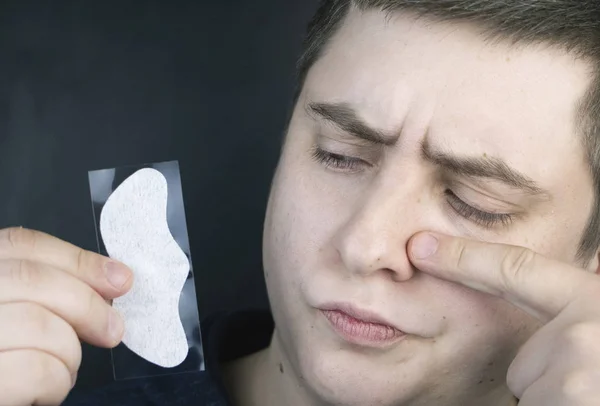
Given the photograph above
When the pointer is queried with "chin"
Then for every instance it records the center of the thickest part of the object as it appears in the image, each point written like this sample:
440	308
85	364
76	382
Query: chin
340	376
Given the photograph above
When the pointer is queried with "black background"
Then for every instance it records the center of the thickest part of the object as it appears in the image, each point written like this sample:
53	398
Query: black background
88	85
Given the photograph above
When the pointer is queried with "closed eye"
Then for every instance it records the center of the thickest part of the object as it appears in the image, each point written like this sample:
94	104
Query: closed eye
480	217
342	163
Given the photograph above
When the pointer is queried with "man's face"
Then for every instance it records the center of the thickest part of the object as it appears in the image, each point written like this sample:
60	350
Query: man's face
479	140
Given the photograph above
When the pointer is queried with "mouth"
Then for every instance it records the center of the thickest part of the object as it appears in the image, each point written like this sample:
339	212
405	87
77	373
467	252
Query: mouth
361	327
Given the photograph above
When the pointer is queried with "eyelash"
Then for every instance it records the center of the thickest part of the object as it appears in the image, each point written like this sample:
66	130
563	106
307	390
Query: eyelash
480	217
337	161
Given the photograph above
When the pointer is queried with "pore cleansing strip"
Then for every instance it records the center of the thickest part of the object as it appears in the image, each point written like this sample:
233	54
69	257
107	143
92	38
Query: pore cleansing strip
135	231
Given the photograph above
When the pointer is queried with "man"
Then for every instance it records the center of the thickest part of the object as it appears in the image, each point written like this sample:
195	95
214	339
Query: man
431	234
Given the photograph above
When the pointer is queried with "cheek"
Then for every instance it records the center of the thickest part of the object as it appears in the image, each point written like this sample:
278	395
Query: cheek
293	224
492	326
480	338
304	211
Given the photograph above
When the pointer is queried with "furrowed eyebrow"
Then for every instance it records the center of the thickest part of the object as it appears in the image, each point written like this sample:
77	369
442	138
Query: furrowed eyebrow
482	167
345	118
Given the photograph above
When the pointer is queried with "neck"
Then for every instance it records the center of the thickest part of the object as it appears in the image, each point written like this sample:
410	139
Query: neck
266	378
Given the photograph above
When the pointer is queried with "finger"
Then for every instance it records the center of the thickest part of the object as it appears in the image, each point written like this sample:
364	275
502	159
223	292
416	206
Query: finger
538	394
68	297
564	388
36	328
536	284
532	359
561	346
108	277
31	377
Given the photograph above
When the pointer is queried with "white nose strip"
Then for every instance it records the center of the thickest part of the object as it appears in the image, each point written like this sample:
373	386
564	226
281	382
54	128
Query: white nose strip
134	229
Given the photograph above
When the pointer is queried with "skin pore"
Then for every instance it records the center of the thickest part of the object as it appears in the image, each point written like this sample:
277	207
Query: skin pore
406	125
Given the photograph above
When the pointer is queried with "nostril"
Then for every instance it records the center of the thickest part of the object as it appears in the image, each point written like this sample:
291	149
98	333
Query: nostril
403	274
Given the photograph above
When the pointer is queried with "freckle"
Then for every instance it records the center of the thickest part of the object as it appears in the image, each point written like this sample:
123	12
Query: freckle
379	259
480	382
492	380
280	367
444	317
485	155
490	364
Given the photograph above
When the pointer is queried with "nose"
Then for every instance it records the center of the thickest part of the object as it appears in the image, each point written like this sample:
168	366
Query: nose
375	236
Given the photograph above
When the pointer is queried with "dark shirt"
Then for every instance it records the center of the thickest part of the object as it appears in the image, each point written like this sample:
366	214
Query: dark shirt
226	337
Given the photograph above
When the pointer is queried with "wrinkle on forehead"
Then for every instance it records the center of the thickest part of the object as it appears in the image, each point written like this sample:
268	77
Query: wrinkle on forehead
412	75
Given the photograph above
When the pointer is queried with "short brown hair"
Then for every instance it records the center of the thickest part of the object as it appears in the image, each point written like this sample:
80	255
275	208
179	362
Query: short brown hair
572	25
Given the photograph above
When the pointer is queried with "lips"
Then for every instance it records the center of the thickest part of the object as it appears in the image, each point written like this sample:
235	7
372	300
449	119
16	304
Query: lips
361	327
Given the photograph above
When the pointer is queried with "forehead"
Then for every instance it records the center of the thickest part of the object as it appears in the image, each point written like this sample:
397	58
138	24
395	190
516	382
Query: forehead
416	76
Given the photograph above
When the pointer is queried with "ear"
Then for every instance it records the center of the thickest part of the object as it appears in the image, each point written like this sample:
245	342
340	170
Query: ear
594	265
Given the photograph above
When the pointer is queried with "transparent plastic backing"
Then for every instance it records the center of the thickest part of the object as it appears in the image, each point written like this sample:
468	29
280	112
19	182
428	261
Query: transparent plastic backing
126	360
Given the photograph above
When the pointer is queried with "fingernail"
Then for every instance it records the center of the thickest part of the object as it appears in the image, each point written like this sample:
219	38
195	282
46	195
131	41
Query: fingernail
424	246
116	274
115	326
